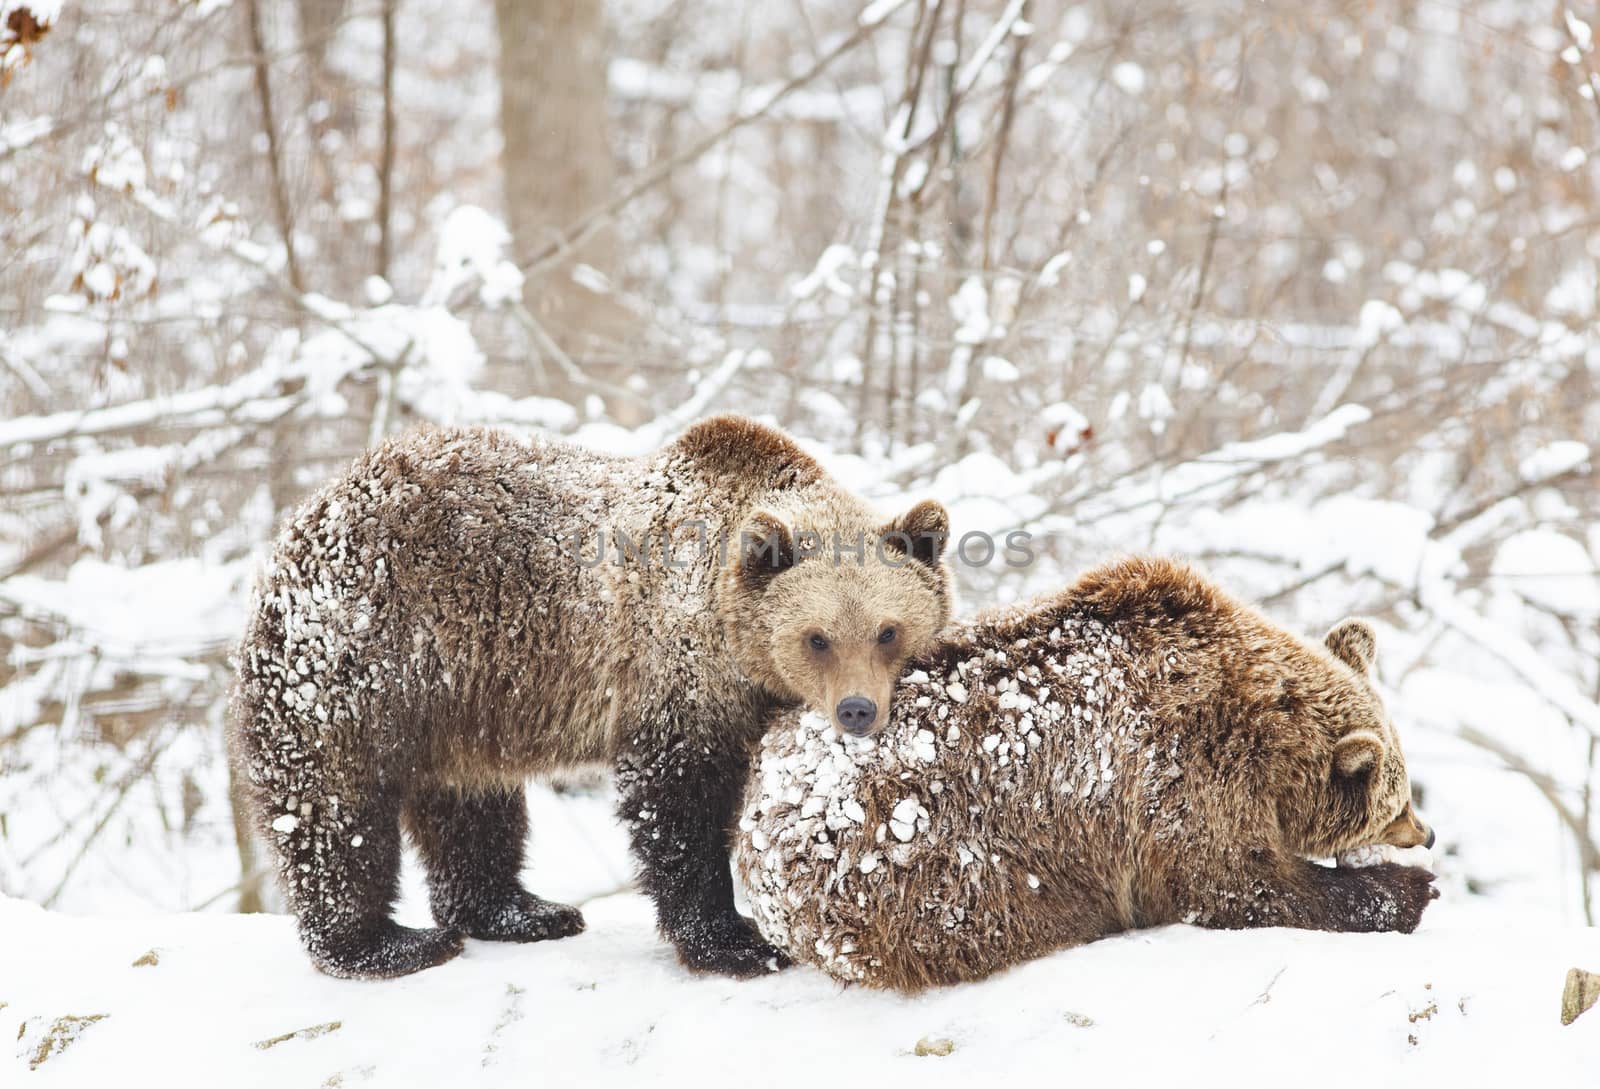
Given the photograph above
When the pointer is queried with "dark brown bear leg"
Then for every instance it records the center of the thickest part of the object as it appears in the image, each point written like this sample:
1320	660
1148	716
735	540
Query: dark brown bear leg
679	807
1273	891
472	846
341	870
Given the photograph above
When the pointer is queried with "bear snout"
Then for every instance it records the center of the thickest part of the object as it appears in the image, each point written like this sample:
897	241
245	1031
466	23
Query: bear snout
856	714
1407	830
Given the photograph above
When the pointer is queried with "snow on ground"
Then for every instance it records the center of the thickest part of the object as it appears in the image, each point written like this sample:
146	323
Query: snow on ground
1446	1006
1470	999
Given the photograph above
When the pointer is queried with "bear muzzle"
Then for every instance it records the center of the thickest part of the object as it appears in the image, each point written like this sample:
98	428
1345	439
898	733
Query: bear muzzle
855	715
1407	830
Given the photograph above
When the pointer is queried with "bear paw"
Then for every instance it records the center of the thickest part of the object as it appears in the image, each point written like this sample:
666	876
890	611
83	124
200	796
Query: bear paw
382	950
727	946
1406	892
522	918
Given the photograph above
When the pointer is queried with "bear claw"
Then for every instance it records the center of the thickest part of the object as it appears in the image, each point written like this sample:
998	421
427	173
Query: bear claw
528	918
729	947
1409	888
383	951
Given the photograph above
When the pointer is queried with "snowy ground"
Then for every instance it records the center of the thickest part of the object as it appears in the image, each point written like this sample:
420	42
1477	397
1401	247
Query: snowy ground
1471	999
1447	1006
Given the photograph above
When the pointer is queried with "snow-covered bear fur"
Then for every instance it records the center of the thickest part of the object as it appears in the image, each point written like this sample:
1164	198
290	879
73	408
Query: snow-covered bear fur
1138	749
441	623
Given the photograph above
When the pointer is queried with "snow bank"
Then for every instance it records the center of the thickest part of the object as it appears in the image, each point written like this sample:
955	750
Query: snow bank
203	1001
171	608
1551	570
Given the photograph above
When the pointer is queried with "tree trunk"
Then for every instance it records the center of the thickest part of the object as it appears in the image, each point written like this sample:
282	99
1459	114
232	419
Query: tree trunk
251	876
557	160
319	21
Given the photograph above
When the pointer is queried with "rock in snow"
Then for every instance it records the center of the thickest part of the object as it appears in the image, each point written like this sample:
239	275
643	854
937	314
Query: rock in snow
1579	995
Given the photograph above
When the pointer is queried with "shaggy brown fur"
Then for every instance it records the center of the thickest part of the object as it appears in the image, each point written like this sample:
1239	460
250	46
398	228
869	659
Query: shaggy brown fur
441	624
1138	749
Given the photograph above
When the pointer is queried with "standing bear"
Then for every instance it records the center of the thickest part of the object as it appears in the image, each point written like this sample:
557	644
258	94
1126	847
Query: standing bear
1136	750
466	609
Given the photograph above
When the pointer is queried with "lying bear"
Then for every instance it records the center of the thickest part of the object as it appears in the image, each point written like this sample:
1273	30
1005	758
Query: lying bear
467	608
1136	750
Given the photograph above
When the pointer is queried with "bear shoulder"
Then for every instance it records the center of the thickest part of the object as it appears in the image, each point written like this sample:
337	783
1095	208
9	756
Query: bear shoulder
738	447
431	446
1145	588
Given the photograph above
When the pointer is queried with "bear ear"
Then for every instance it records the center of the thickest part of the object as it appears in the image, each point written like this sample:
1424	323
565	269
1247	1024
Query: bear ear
1356	752
1354	643
766	550
921	532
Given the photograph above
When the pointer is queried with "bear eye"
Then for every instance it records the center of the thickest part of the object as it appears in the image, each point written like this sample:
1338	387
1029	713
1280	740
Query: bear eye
818	643
886	636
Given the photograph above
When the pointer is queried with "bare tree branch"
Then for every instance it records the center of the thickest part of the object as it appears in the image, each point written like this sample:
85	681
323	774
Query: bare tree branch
593	221
280	193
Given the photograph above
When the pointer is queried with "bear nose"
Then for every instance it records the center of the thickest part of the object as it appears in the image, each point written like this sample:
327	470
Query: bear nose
856	714
1428	843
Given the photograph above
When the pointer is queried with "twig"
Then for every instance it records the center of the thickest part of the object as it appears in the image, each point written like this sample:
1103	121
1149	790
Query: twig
124	786
548	347
246	884
1266	992
104	108
706	392
890	175
323	310
1217	213
210	405
36	386
1284	592
383	409
1002	139
386	165
194	455
1260	1000
280	195
592	221
1523	660
1588	851
997	34
1206	254
1461	518
1588	817
1587	820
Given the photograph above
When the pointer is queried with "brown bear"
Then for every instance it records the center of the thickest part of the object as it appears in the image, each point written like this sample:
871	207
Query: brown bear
1138	749
465	609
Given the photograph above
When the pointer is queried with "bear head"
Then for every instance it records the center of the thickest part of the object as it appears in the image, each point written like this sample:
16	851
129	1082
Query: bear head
1359	793
829	617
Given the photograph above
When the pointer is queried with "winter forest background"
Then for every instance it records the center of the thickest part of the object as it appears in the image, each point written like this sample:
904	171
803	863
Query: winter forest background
1305	291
